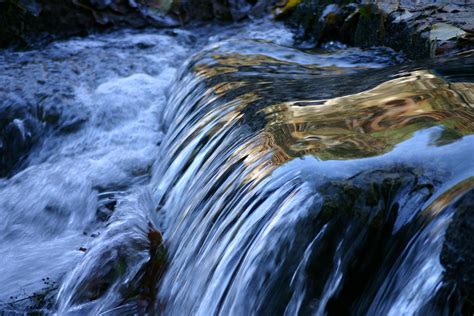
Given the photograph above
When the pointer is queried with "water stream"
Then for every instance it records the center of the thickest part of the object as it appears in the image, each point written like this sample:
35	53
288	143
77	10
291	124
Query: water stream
280	181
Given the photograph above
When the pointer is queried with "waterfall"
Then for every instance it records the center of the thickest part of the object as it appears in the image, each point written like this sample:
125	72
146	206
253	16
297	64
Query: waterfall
220	171
283	195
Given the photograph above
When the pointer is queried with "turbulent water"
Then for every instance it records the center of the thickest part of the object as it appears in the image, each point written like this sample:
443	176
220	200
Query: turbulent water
282	181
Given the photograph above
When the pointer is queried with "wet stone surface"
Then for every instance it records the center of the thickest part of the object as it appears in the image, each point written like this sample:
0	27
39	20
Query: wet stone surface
419	31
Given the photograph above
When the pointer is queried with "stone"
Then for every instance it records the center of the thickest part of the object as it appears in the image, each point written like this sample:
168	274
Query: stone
22	21
419	31
19	131
370	29
444	32
457	255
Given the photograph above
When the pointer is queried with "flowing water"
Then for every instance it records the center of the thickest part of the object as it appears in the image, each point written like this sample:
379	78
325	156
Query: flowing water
218	170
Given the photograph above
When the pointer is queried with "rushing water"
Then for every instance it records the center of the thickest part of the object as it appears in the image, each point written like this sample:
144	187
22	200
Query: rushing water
282	181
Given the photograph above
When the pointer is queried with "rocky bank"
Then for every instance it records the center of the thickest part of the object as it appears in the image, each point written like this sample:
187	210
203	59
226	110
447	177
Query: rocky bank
25	22
420	29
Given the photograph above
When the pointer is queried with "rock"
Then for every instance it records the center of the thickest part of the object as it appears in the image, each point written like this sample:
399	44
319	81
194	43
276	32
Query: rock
444	32
19	131
24	21
224	10
370	29
349	26
284	9
364	210
239	9
457	255
319	22
415	30
329	24
31	5
62	113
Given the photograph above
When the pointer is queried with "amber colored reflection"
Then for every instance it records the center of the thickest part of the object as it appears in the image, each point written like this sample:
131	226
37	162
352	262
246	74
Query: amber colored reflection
372	122
354	126
449	196
219	64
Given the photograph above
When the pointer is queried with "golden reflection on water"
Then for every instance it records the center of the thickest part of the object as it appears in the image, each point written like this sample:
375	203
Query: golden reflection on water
371	122
353	126
445	199
235	62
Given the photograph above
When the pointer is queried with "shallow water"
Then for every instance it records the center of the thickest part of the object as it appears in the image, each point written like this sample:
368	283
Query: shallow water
283	181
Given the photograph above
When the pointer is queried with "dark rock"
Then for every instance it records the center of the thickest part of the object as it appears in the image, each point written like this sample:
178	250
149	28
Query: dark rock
370	29
328	25
51	110
366	25
239	9
196	9
19	131
403	36
27	20
356	222
318	20
457	255
349	26
62	113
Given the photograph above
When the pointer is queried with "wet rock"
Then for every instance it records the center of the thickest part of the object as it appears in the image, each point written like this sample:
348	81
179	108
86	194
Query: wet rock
239	9
329	23
370	29
320	23
349	25
19	131
364	211
62	113
418	31
113	272
73	121
221	9
445	32
402	35
457	255
24	21
285	8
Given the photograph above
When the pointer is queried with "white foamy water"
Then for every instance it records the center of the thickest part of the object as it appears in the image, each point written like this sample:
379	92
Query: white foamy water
108	92
49	209
129	140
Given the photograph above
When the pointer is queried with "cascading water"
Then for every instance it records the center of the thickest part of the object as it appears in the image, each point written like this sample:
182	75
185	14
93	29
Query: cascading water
285	182
293	187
